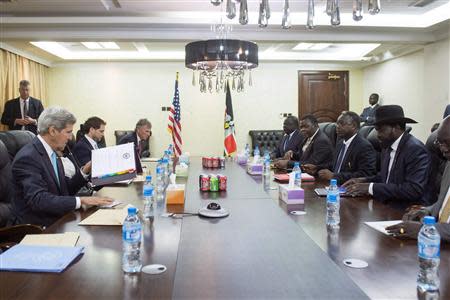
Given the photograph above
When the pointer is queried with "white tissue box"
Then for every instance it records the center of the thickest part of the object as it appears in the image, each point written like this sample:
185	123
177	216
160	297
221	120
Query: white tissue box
182	170
295	195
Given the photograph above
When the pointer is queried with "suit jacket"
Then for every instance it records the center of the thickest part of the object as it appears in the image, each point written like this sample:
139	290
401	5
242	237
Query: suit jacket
359	160
408	181
368	115
443	228
12	112
447	111
132	138
292	144
39	199
83	151
319	152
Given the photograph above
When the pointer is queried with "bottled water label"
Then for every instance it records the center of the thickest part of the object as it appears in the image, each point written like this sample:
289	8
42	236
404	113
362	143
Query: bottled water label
132	234
429	251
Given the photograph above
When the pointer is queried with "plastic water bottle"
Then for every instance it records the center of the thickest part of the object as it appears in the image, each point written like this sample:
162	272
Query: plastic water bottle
298	174
159	194
333	218
247	150
148	197
266	173
429	242
131	241
256	152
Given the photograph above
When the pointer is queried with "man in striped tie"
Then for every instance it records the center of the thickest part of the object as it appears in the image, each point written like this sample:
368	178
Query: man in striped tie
411	225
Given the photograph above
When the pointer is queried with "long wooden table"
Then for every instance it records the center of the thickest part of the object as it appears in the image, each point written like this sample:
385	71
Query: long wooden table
259	251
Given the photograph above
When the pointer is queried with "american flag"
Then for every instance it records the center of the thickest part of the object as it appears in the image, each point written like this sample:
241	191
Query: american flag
174	125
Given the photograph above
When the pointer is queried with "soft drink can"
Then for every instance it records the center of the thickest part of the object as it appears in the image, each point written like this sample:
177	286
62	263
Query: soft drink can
213	183
222	162
209	162
222	182
204	162
204	182
216	162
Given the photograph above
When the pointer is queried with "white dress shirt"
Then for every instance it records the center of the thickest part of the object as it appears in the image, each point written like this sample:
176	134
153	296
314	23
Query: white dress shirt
394	148
91	141
50	151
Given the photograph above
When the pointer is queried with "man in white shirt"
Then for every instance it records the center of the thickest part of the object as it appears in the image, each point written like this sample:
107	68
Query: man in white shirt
411	224
403	178
43	192
22	113
94	131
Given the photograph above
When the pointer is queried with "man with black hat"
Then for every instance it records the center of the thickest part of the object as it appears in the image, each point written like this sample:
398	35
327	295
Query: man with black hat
404	163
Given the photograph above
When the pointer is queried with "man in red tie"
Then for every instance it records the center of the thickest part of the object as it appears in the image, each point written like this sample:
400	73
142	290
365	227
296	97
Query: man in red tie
411	224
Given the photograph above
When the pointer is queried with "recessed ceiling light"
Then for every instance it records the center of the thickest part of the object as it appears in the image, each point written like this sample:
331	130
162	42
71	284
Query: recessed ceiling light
310	46
92	45
303	46
109	45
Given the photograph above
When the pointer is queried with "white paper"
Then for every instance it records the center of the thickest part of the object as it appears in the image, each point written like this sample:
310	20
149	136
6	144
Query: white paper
111	160
114	203
381	225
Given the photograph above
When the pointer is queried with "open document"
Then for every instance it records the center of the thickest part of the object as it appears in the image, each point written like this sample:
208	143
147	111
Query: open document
381	225
113	164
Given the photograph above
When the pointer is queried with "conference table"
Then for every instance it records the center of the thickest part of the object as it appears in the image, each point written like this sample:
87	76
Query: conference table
260	251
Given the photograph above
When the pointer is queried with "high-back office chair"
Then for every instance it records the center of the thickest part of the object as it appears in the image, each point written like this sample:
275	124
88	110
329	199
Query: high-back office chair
6	188
329	128
266	139
14	140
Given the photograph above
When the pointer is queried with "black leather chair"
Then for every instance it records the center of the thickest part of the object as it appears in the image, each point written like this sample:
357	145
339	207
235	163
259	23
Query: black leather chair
121	133
12	235
266	139
6	186
14	140
329	128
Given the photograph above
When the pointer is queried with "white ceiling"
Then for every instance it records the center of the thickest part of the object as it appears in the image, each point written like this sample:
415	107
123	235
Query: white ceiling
167	25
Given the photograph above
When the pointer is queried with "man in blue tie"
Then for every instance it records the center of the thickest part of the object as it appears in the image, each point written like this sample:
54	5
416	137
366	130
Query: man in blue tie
355	156
405	162
43	193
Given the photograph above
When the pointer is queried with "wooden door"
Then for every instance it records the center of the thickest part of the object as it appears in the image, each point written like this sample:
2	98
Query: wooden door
323	94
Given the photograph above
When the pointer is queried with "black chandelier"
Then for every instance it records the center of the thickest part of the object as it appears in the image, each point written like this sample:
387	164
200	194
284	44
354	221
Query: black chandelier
220	61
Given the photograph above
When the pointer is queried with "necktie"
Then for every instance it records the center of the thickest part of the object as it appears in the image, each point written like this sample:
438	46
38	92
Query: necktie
285	142
25	109
385	166
55	165
443	218
337	168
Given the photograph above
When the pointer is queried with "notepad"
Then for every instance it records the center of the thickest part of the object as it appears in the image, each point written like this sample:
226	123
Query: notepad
285	177
67	239
29	258
106	217
381	225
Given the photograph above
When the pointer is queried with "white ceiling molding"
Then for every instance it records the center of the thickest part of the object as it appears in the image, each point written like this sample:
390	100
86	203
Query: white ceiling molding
25	54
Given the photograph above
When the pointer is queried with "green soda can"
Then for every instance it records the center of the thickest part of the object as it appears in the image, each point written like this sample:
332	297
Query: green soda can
213	183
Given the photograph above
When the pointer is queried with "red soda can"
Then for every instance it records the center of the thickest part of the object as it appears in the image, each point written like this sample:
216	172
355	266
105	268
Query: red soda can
222	182
204	182
204	162
216	163
209	162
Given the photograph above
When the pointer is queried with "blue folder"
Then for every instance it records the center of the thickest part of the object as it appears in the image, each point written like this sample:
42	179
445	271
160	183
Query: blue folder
27	258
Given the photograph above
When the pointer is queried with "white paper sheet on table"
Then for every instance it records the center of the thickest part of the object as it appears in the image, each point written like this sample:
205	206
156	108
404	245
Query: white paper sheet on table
110	160
381	225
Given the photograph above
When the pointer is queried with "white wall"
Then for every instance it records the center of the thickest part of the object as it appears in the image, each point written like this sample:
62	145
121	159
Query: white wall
419	82
123	92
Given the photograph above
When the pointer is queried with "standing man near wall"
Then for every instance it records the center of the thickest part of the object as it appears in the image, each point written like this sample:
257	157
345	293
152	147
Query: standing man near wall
22	113
368	113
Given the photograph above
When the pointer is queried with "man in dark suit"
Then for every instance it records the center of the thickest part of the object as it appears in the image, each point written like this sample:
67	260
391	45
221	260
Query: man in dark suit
411	224
22	113
94	131
404	172
368	114
315	149
43	192
291	140
447	111
355	156
141	134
